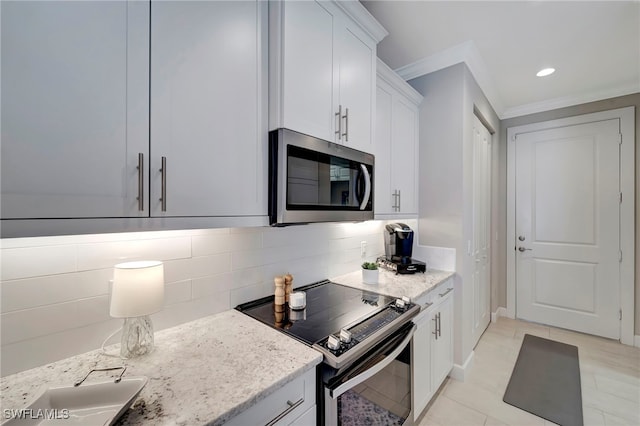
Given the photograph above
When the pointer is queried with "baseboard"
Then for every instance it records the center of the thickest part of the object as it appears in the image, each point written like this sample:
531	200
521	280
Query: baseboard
500	312
459	372
636	341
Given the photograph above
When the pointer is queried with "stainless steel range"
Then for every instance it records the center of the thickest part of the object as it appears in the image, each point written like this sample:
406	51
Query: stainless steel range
365	339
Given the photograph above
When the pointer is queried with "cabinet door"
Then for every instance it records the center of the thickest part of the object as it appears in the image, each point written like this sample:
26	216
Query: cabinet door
384	101
307	73
74	108
207	108
442	347
421	361
404	154
356	86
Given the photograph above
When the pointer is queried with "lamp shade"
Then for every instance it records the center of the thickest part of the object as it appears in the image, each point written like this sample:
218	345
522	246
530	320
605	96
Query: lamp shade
138	289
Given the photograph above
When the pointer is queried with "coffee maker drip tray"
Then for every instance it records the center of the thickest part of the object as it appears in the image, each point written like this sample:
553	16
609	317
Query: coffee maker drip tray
401	266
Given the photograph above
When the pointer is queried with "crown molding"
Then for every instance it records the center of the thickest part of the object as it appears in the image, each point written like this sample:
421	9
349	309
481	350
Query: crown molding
567	101
467	53
394	80
356	11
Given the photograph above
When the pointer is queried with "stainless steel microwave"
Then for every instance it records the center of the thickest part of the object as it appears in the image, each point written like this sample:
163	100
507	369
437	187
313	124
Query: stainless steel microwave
313	180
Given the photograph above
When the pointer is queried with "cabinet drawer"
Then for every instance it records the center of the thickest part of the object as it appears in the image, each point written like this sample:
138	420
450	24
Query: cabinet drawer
435	295
283	406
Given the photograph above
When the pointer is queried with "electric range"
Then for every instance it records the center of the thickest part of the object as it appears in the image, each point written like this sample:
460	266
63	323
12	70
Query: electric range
341	322
365	339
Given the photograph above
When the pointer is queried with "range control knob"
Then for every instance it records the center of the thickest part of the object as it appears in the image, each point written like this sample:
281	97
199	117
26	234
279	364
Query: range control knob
400	304
345	335
333	342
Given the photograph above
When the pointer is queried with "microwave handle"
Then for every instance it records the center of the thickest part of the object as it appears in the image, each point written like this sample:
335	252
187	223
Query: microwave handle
367	187
334	393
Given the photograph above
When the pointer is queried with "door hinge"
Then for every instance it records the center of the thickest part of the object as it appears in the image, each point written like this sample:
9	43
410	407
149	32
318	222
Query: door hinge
620	311
620	256
619	138
621	198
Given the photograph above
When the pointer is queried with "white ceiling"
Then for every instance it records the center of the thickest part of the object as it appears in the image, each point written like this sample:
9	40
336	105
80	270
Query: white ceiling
594	46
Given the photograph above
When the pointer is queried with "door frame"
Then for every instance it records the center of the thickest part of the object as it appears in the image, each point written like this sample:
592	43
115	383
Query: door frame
627	187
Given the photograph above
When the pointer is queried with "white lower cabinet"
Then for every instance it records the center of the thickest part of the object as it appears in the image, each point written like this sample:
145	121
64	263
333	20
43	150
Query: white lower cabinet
292	404
432	346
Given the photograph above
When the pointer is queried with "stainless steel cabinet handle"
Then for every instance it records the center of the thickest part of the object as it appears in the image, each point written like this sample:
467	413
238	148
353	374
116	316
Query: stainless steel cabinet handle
435	320
140	181
163	191
399	201
522	249
346	125
339	117
446	292
439	324
292	406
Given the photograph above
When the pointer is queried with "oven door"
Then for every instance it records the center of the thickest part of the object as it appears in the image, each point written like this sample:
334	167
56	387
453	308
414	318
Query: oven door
376	389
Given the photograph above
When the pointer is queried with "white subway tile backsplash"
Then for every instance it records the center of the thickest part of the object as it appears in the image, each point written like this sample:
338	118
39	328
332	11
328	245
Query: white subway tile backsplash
105	255
55	290
40	291
203	245
177	292
29	323
37	261
45	349
210	265
209	286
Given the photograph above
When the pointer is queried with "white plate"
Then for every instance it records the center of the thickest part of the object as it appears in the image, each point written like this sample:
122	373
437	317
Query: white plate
92	403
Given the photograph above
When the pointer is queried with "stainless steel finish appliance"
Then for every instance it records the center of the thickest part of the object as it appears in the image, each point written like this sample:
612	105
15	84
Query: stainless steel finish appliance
312	180
365	339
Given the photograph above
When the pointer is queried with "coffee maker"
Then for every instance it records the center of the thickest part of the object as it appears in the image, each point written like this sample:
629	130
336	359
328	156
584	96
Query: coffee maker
398	248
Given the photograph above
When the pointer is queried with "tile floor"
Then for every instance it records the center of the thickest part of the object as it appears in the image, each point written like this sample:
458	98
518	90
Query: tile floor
610	377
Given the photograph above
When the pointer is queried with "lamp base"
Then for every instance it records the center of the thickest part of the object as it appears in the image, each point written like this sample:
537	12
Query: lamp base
137	337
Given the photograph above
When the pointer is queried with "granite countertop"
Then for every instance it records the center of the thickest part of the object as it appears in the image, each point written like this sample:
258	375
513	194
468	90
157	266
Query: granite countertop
397	285
205	371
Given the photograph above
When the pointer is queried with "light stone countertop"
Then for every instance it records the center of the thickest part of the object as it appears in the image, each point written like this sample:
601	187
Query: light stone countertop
202	372
397	285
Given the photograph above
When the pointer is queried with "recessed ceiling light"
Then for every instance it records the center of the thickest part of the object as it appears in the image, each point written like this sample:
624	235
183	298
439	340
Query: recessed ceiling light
545	72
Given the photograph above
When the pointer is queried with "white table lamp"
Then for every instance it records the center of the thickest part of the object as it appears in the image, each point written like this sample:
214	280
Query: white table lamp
137	292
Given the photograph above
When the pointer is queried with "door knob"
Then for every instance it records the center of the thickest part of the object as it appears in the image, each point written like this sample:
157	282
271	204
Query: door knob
521	238
521	249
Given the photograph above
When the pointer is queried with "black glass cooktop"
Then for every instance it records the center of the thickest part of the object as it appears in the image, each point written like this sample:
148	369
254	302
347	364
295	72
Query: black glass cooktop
330	307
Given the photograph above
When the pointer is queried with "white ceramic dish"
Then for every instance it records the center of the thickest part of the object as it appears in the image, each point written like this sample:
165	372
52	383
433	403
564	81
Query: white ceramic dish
92	403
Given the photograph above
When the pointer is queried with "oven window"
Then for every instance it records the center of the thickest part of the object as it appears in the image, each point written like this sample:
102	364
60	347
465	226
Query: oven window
383	399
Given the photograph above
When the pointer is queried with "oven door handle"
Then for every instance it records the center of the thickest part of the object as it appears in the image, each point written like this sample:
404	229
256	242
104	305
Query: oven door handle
334	393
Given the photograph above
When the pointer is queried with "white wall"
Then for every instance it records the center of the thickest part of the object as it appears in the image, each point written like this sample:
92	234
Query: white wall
446	179
54	291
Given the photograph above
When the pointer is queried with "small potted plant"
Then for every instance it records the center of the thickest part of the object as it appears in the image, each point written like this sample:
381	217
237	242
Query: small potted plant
369	273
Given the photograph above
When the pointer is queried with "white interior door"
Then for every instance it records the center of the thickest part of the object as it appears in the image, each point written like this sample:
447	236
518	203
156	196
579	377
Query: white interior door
567	227
481	228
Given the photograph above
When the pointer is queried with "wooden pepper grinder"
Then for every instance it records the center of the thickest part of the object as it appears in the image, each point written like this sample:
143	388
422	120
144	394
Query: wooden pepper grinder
279	298
288	286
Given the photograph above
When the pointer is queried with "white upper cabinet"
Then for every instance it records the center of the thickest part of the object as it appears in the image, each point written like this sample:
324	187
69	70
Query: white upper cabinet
396	146
98	95
208	120
322	70
75	81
